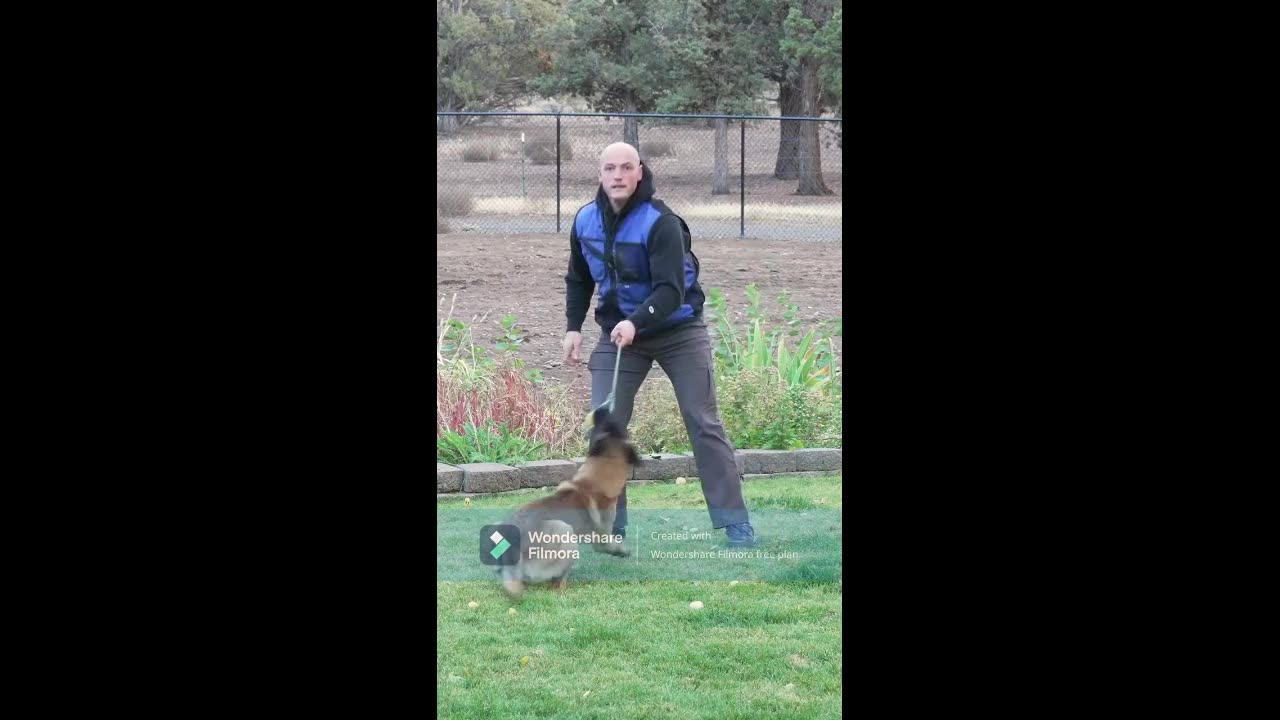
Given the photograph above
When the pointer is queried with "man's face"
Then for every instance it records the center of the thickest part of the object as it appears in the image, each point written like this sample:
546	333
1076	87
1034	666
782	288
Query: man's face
620	172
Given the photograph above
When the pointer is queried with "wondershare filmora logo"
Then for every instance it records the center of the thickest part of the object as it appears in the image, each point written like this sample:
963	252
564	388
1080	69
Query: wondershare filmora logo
499	544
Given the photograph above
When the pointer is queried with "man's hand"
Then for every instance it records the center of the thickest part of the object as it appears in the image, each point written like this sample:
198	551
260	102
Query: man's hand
623	333
572	345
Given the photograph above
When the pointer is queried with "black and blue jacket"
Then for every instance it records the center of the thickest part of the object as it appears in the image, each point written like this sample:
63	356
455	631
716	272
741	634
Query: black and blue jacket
640	259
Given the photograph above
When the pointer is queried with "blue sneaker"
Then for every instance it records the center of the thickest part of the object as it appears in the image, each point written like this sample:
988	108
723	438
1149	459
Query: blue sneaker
740	535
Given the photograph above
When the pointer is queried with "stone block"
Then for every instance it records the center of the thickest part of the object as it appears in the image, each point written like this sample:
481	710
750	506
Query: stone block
738	459
544	473
665	466
757	462
448	478
818	459
489	477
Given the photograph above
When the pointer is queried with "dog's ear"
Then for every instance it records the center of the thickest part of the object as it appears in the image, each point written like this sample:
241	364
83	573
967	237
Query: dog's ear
632	457
601	414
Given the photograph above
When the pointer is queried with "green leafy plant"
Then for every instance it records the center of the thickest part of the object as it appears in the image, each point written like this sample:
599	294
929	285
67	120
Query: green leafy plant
810	363
803	367
496	444
758	410
509	341
459	357
512	336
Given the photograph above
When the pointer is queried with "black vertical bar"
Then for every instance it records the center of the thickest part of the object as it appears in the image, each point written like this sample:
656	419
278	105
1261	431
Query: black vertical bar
742	182
557	173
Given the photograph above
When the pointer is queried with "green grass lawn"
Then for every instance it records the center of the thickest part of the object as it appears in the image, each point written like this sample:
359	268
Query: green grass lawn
622	642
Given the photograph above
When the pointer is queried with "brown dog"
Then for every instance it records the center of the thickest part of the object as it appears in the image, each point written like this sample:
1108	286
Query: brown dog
583	506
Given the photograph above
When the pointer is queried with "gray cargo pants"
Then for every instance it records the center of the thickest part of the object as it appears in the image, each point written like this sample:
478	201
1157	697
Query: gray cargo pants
684	353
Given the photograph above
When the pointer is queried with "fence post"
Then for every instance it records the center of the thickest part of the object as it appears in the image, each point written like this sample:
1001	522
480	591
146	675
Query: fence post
557	173
742	182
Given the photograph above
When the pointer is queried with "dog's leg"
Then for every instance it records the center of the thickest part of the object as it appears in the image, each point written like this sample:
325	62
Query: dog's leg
604	526
511	580
561	582
594	513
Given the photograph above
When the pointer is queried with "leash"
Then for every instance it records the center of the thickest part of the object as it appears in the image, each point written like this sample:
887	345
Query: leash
613	392
612	400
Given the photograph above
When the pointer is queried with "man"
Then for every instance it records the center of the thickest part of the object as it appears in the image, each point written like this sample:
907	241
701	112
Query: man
650	308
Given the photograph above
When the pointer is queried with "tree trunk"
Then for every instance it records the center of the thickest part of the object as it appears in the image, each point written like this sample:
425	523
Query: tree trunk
809	148
446	123
720	177
789	103
631	126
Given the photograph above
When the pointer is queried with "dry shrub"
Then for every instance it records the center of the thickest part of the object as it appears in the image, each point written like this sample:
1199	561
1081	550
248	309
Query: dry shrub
655	148
541	149
504	396
542	155
656	424
474	389
480	151
454	202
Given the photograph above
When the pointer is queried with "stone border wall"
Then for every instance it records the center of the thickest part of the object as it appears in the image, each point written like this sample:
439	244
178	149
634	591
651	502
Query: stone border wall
492	477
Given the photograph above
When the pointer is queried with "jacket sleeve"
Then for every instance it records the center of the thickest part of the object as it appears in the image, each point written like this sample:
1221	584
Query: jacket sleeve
578	285
666	273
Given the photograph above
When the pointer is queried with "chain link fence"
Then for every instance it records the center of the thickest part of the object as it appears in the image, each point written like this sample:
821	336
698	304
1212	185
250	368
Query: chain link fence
500	173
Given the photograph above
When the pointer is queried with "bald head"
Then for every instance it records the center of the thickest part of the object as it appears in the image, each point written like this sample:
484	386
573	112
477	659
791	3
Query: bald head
620	151
620	173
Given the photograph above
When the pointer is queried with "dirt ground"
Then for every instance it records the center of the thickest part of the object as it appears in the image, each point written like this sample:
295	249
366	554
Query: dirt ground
524	275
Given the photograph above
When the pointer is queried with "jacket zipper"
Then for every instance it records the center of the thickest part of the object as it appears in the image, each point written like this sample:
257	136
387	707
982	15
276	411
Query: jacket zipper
616	287
611	242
